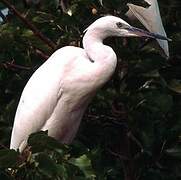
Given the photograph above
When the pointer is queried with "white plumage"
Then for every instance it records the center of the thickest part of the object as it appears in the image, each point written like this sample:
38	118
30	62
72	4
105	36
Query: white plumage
60	90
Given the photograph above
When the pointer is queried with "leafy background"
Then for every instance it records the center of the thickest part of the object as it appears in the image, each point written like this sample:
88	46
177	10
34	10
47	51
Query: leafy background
131	130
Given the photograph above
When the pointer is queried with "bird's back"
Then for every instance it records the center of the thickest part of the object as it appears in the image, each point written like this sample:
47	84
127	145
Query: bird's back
49	99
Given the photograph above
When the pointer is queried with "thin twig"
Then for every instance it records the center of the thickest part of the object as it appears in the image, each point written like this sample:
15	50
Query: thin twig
14	66
36	32
40	53
3	146
121	157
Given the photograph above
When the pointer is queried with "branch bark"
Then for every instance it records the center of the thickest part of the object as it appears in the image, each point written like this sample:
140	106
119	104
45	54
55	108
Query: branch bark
36	32
11	65
41	54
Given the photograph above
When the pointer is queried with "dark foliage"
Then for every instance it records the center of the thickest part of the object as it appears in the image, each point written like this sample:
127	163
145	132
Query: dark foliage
131	130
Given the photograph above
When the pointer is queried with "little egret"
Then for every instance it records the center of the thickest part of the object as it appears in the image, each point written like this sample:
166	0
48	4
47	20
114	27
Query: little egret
59	91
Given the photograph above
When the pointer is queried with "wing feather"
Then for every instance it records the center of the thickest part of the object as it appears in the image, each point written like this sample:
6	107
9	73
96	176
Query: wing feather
37	103
43	101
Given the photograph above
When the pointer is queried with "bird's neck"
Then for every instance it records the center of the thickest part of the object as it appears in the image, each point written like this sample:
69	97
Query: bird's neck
96	50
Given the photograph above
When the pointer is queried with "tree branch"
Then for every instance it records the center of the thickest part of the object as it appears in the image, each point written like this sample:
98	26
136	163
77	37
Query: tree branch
42	54
14	66
36	32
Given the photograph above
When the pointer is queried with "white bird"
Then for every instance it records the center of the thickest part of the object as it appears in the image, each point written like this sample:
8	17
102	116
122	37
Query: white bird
60	90
151	19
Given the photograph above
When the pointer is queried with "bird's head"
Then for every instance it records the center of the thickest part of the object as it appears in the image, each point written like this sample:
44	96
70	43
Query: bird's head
113	26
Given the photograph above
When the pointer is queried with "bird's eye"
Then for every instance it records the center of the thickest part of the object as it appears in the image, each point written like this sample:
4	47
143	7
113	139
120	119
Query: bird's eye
119	24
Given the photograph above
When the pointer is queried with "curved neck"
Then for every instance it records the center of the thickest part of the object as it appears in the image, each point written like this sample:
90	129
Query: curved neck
94	47
103	56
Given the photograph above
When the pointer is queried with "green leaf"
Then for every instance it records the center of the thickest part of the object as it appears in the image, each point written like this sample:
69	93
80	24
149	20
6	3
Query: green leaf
40	141
174	152
84	164
8	158
5	176
62	171
158	101
46	165
175	85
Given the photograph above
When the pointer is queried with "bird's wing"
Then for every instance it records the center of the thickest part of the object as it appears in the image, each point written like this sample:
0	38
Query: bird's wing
37	102
45	93
151	19
32	113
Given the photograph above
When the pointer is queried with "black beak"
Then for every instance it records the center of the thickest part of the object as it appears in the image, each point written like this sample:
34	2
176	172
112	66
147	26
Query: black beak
133	31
